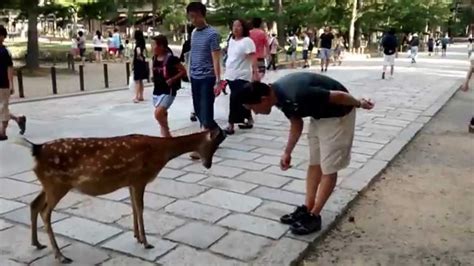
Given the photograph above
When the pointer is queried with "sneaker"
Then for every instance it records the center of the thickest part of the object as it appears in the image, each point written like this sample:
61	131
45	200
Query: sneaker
383	75
4	137
308	224
22	124
295	216
193	117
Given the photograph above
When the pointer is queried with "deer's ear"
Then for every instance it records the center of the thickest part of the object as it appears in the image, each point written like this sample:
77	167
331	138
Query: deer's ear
214	133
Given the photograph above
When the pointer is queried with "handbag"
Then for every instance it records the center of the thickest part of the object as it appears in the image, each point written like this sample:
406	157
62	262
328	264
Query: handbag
131	83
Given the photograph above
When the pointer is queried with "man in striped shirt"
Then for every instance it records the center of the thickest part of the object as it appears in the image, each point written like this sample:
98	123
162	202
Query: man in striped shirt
204	68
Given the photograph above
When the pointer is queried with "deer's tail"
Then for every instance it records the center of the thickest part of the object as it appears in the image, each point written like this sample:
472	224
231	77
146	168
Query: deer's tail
35	148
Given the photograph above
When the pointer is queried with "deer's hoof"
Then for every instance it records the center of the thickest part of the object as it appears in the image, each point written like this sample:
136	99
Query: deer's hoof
149	246
65	260
39	246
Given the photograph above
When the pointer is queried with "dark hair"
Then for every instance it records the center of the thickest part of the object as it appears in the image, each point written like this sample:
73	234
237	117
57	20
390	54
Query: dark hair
139	39
256	22
3	31
190	30
274	35
80	33
115	30
253	92
98	34
127	41
245	28
197	7
110	34
391	31
161	40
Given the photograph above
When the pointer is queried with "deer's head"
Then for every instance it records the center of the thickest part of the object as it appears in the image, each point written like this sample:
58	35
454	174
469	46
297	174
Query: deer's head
209	146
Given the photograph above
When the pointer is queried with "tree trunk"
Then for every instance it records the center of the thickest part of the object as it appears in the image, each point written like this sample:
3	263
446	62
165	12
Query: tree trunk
352	25
280	22
32	54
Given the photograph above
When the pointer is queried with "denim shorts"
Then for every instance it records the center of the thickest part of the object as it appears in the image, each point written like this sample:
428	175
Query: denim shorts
163	100
325	53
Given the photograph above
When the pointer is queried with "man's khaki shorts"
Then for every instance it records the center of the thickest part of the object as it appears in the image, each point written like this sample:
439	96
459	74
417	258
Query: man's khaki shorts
4	101
330	142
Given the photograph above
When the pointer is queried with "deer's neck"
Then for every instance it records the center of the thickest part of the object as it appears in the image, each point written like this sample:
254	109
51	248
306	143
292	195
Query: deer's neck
180	145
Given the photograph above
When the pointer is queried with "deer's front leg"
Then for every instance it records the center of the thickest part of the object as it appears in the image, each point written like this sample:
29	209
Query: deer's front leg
36	206
134	216
139	191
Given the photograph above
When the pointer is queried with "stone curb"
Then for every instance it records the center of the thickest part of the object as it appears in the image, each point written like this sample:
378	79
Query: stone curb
361	179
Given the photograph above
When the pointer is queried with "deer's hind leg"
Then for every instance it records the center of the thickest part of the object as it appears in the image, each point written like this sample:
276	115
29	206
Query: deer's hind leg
54	194
36	206
138	192
136	234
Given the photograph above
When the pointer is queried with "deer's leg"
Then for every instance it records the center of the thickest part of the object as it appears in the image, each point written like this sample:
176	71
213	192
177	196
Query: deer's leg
38	204
53	196
138	192
134	209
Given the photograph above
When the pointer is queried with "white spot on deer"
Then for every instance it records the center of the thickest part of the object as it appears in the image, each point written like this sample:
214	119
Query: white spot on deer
105	156
82	179
57	160
71	160
118	166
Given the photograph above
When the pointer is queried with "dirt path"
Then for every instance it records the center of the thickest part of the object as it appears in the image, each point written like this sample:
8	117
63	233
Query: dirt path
421	210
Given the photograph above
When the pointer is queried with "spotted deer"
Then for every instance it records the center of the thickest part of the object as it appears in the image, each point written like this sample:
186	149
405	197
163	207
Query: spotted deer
97	166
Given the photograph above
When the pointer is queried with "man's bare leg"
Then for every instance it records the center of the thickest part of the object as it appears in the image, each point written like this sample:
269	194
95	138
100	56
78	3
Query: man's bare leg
392	68
326	187
313	178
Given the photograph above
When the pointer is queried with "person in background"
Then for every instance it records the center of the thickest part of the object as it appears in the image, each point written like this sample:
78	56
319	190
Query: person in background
97	42
117	44
465	87
338	49
444	45
325	45
81	45
7	89
470	47
291	51
273	46
111	49
306	43
204	69
389	44
414	43
127	50
430	45
184	58
331	110
167	75
437	44
260	39
241	68
140	65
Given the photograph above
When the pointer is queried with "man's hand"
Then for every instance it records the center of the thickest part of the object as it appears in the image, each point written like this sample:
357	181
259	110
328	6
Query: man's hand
285	161
366	104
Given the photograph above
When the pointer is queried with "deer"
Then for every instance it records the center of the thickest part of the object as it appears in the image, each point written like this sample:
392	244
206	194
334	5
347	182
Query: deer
97	166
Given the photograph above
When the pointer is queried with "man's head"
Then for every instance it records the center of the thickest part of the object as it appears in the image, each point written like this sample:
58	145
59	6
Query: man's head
391	31
258	97
196	12
327	29
80	33
256	23
3	34
115	30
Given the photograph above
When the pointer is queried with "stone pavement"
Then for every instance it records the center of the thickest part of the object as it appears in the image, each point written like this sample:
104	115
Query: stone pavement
229	214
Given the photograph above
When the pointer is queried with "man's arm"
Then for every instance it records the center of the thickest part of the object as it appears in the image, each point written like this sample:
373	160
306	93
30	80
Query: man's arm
296	128
10	79
344	98
216	61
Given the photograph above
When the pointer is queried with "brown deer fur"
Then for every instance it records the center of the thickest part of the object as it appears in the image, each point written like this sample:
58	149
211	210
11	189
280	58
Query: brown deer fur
97	166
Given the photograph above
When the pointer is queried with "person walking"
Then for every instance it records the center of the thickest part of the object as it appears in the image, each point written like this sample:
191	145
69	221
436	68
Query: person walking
184	58
7	89
273	46
291	51
470	47
81	45
325	45
430	45
414	43
241	68
140	65
204	68
437	44
97	42
444	45
331	109
338	49
167	75
306	43
389	44
259	37
118	44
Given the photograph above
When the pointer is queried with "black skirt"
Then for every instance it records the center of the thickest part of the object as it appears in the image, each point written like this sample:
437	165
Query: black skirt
140	70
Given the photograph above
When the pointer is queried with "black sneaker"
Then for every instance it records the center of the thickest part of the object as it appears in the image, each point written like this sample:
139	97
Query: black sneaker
295	216
308	224
383	75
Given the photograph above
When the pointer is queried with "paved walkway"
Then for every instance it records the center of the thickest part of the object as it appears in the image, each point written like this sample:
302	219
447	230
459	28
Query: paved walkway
229	214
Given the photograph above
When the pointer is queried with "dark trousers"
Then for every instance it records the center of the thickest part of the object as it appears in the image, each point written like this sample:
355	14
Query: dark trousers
237	112
273	62
203	101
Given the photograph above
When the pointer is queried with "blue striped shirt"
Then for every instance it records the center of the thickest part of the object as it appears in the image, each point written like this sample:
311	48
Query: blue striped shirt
203	43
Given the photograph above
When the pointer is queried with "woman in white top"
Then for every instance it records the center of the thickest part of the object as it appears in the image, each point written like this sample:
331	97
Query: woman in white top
97	42
240	69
